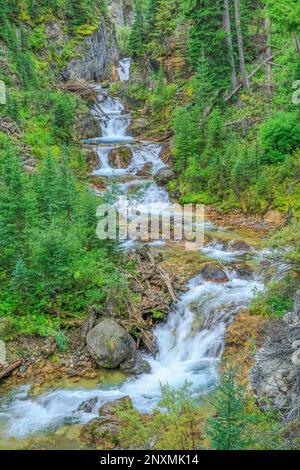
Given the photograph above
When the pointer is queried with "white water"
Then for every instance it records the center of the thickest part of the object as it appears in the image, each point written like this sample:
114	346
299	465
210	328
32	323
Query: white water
124	69
186	352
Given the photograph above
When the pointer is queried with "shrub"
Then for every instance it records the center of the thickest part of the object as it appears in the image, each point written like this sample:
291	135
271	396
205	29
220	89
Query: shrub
279	137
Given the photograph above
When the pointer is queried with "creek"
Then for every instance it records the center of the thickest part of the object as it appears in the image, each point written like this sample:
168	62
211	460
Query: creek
190	343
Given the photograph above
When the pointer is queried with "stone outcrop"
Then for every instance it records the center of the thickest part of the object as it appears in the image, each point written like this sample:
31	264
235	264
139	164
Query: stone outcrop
105	432
121	12
275	376
163	176
95	55
111	346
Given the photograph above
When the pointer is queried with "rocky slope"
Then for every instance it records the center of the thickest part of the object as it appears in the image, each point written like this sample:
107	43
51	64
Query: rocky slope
95	55
276	374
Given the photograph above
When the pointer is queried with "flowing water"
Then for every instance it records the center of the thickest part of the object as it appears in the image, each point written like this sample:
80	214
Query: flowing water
190	343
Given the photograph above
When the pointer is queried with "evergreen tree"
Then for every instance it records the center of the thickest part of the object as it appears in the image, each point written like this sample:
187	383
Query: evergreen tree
207	36
17	209
137	32
227	430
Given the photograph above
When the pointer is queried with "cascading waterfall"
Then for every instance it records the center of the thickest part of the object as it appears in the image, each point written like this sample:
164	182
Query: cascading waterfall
186	353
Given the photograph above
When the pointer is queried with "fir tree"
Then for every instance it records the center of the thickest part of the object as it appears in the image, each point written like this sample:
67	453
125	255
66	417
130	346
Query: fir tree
227	430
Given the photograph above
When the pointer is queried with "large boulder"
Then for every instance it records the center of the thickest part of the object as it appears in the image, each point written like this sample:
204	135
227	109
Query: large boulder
163	176
214	273
111	346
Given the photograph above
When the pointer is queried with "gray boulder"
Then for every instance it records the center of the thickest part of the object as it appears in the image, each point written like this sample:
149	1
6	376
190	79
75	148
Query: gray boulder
214	273
111	346
163	176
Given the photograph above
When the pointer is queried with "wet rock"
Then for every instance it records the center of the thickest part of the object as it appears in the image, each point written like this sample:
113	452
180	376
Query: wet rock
105	432
243	272
146	171
275	375
214	273
238	245
136	365
88	405
163	176
111	346
120	157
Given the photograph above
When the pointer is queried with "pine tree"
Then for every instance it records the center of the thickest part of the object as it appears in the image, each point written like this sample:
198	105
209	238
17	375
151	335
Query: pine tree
17	208
227	430
47	188
137	32
66	190
207	36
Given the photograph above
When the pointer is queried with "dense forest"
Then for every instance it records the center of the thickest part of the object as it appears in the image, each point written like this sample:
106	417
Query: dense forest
217	84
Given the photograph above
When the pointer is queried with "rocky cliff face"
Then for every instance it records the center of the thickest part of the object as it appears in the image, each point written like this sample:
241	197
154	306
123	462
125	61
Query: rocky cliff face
121	12
276	374
95	55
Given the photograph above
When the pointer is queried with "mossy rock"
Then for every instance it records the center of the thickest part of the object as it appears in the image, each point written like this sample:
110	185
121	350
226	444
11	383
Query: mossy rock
120	157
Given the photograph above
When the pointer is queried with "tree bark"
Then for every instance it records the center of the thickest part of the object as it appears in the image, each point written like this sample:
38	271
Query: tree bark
240	43
268	66
227	27
297	42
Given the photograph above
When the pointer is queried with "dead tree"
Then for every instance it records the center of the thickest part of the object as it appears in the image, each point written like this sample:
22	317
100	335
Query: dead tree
240	44
227	27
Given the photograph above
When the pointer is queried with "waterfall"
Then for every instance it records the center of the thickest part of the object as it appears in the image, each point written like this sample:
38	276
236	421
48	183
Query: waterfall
186	353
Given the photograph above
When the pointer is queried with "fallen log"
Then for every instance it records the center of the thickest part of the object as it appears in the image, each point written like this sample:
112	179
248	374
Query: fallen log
82	88
9	368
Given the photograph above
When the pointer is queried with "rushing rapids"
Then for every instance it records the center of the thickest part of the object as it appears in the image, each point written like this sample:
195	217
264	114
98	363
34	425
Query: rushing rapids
186	352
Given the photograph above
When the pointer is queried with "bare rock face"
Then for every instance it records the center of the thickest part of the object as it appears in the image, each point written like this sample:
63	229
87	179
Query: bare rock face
111	346
121	12
276	374
95	55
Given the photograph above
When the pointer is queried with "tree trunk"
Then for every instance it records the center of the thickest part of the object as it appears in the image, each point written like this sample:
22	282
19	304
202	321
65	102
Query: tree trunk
297	42
227	27
268	66
240	43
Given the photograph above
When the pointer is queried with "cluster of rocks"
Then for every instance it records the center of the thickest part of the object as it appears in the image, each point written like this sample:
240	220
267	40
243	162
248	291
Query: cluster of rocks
105	431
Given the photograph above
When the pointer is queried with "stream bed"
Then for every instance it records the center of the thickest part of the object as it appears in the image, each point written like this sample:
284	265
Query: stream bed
190	343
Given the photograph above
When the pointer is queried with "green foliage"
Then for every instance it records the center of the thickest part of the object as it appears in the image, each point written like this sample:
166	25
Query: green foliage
227	430
280	136
62	341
